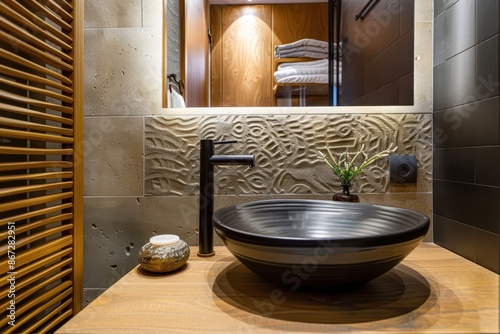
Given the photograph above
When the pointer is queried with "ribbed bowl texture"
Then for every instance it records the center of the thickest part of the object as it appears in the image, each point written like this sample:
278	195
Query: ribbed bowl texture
319	244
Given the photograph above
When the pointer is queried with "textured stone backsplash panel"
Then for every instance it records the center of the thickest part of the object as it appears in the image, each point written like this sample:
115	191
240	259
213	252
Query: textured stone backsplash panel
285	149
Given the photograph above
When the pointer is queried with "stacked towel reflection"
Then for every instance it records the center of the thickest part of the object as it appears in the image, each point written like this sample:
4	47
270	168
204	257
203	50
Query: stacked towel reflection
312	69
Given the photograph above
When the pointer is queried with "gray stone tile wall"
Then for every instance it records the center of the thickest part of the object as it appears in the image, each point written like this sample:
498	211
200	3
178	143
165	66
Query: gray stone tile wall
113	13
122	71
114	156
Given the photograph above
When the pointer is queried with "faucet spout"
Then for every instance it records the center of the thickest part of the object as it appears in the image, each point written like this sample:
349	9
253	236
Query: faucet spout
243	159
207	162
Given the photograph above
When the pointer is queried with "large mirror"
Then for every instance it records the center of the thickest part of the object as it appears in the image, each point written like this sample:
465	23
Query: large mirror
222	54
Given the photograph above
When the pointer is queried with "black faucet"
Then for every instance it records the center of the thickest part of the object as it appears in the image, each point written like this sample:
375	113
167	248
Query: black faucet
207	161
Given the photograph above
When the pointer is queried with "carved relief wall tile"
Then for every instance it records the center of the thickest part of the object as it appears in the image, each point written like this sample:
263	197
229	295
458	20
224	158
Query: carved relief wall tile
286	152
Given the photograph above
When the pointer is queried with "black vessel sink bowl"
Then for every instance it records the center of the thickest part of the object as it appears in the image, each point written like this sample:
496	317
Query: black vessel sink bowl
319	244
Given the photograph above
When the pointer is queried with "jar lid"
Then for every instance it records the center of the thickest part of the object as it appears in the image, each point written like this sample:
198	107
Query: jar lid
164	239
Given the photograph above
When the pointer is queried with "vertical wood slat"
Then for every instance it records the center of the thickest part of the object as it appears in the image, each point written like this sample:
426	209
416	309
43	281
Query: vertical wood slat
78	82
41	166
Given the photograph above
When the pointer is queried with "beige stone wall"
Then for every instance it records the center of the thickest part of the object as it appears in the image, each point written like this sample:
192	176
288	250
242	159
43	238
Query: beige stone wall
141	161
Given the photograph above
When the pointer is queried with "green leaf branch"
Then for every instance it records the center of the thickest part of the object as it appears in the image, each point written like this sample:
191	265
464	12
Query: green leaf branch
345	167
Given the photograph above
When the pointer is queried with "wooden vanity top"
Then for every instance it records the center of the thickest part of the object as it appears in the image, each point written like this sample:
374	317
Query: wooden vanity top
431	291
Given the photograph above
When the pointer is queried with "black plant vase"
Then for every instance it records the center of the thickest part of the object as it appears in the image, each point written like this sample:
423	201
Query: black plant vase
346	196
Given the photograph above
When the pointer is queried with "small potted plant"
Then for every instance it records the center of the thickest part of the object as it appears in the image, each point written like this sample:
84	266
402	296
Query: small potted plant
346	169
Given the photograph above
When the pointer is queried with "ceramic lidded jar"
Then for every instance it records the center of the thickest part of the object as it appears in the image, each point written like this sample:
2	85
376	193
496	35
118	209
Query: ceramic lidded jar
163	253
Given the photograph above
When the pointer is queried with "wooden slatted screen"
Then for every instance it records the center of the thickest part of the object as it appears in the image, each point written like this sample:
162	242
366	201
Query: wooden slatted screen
41	163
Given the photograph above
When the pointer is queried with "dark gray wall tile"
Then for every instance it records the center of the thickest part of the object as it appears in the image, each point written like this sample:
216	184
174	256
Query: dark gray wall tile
454	80
386	95
454	164
466	195
486	121
381	36
487	84
487	162
352	56
452	235
439	38
441	5
438	7
375	11
389	65
473	124
407	15
460	27
473	205
488	250
406	90
487	13
352	87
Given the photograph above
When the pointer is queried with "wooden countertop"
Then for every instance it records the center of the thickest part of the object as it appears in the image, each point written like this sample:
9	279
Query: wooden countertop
431	291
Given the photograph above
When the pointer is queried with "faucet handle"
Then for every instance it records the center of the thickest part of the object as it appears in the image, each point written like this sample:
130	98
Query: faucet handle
225	142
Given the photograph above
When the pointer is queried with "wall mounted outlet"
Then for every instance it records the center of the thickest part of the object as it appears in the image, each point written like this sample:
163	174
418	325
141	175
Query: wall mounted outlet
403	168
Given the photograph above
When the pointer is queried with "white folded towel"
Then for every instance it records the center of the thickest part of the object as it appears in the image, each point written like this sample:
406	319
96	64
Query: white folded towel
293	71
289	53
305	72
306	47
303	54
322	63
303	42
308	78
175	100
